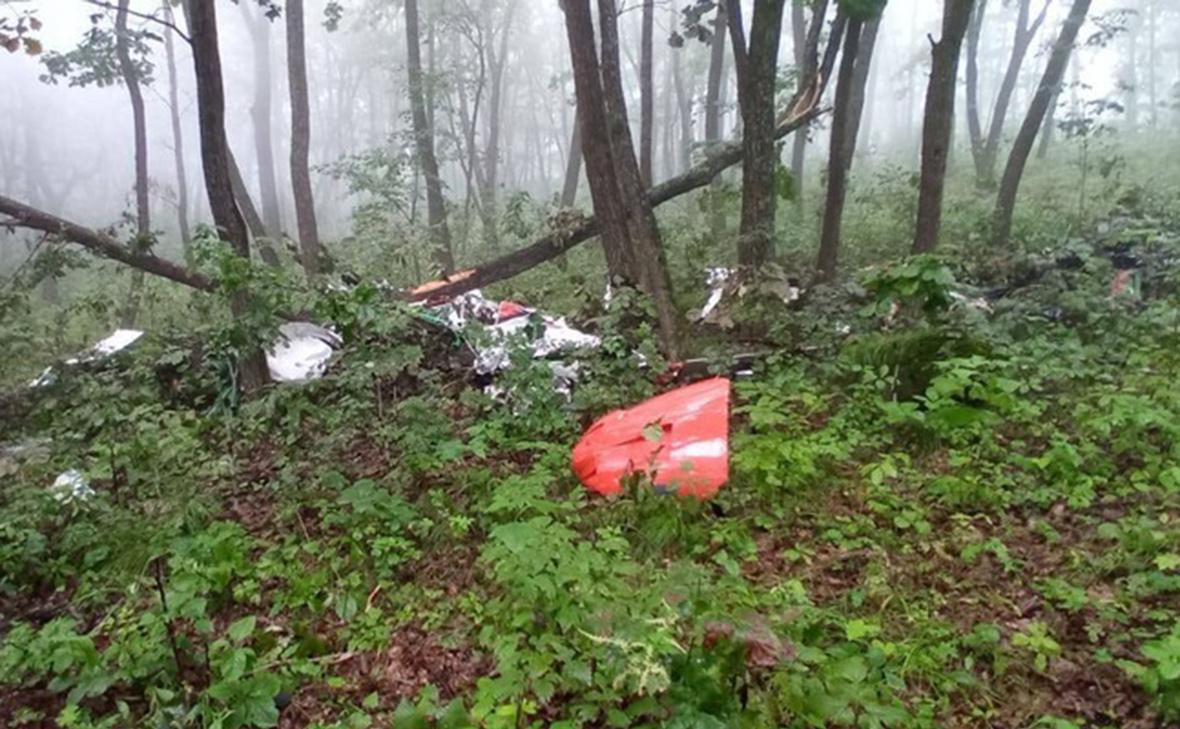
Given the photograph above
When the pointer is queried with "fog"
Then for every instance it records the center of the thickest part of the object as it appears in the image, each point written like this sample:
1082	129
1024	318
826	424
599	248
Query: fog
69	149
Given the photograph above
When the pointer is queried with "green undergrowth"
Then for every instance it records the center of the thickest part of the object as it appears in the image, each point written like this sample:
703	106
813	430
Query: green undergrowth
936	516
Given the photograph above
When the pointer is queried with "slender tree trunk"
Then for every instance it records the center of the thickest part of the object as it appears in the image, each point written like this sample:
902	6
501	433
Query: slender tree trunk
1151	64
829	246
1022	146
436	209
1049	127
260	114
497	60
573	167
254	224
215	163
713	115
177	134
682	158
305	219
756	97
143	224
936	129
985	151
646	91
974	125
860	82
806	41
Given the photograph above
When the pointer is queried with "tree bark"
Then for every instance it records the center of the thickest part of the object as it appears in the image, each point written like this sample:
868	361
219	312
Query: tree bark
305	218
803	54
1022	146
436	209
573	166
939	116
756	97
252	368
713	115
177	134
860	82
650	267
260	115
646	91
143	224
829	246
985	150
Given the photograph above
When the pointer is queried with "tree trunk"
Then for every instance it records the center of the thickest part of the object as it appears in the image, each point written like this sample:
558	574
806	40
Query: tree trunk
260	115
489	192
1022	146
651	269
143	224
974	125
985	151
177	134
806	51
573	167
756	97
305	219
215	163
630	237
646	91
713	116
436	209
860	82
936	128
829	245
254	224
1048	127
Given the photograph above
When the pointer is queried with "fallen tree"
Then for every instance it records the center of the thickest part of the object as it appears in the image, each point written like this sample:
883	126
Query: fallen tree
581	229
578	230
25	216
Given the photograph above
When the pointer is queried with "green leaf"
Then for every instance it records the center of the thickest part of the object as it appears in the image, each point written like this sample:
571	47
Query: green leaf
242	629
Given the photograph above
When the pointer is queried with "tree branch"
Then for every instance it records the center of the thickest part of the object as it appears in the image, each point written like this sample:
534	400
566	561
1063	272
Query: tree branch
144	16
554	244
24	216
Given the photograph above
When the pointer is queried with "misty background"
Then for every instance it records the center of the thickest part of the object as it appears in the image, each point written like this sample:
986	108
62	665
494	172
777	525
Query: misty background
69	149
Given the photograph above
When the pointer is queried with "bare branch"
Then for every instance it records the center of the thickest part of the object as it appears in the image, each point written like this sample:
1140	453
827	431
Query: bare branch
144	16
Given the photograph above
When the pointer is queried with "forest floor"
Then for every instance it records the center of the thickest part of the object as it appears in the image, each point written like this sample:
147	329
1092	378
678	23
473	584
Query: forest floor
939	514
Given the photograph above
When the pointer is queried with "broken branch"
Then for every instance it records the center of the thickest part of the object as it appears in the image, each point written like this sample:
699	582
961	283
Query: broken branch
554	244
24	216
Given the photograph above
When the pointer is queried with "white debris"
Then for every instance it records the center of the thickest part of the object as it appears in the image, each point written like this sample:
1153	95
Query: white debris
978	303
302	351
556	336
120	340
117	342
47	377
71	486
715	278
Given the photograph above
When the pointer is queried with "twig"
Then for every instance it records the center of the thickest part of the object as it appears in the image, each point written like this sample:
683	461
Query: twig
159	574
152	18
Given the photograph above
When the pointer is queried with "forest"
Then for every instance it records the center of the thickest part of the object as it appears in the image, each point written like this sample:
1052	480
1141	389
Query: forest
506	364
